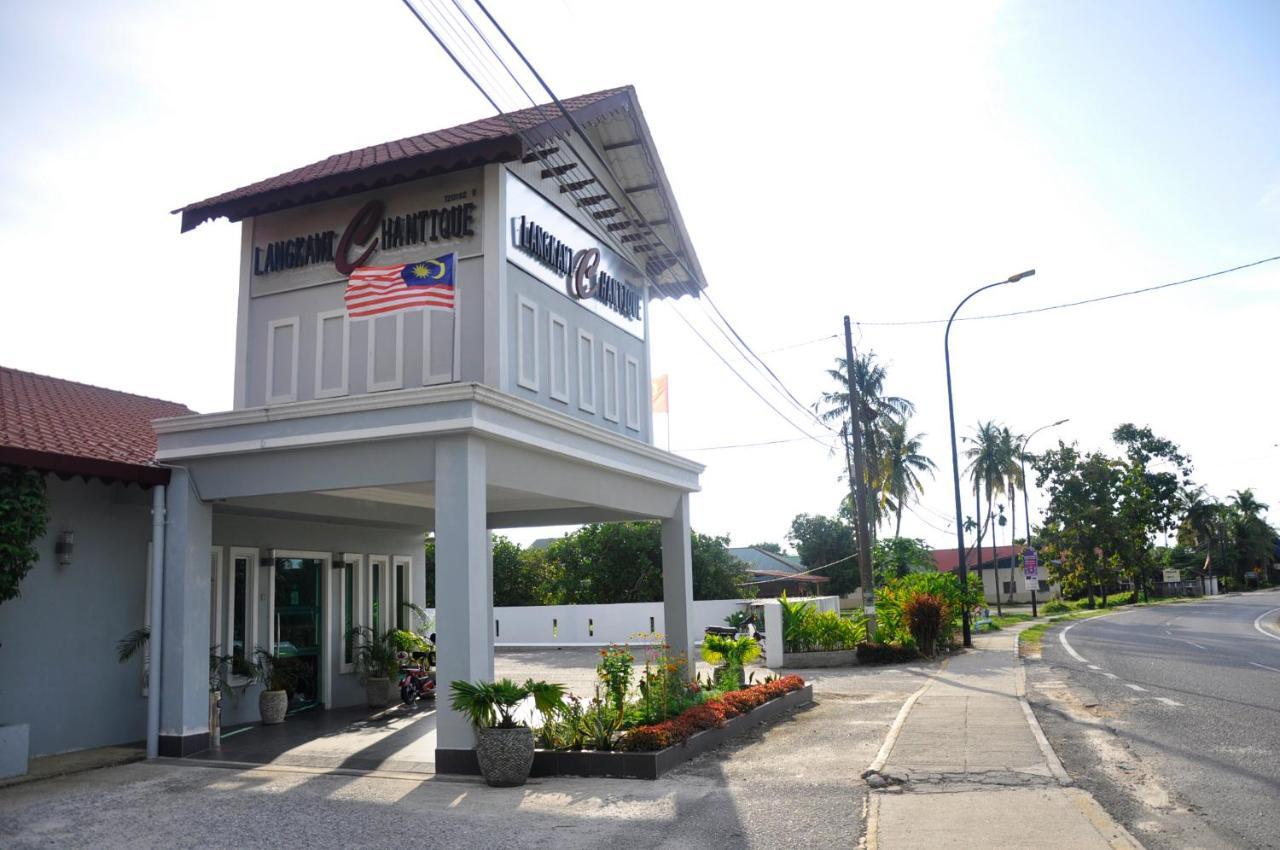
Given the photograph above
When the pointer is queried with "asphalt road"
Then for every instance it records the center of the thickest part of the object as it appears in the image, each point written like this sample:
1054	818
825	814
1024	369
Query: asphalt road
1192	695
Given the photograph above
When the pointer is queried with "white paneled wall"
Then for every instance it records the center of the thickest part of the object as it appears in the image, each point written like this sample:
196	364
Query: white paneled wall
598	625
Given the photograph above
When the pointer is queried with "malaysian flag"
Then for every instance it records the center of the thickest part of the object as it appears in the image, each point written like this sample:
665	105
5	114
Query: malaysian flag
379	290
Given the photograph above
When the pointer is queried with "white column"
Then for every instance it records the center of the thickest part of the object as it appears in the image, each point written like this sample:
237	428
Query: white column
677	584
464	601
184	651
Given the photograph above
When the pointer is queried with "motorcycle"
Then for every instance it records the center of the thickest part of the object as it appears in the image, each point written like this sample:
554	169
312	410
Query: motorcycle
417	677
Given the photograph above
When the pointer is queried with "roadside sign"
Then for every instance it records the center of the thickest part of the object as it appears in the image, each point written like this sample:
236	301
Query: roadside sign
1031	569
1172	576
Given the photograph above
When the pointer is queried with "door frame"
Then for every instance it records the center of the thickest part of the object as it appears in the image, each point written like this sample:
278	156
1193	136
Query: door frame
326	638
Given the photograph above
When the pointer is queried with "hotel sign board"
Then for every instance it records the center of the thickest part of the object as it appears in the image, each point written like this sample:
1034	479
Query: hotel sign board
323	243
560	252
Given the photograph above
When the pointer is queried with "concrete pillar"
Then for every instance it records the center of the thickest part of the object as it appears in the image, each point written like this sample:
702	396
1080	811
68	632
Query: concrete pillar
464	597
677	585
184	672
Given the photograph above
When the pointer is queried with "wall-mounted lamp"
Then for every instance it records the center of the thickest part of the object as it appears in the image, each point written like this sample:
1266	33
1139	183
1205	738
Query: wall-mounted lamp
65	547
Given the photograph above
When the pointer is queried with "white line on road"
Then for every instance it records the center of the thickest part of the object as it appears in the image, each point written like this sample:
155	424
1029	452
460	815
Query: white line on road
1062	639
1265	667
1257	624
1111	675
1169	702
1135	687
1094	667
1193	643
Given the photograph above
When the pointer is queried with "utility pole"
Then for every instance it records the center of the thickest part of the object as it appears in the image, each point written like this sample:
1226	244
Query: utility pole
858	490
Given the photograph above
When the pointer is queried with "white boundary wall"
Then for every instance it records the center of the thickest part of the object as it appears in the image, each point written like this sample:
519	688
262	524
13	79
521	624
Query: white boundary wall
599	625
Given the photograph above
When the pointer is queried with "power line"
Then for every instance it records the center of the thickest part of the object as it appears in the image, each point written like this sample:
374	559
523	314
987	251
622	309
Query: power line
802	344
1081	302
749	445
442	13
805	573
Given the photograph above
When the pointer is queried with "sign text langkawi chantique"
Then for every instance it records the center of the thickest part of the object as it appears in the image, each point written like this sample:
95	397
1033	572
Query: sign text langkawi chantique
430	225
580	268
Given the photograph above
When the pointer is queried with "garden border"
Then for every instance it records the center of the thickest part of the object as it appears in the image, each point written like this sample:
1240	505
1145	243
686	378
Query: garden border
651	765
634	765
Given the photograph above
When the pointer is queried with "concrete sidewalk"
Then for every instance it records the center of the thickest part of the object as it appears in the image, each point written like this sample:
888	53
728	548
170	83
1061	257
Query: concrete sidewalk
966	764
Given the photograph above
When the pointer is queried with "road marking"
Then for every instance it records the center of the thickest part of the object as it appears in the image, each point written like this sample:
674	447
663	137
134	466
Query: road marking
1257	624
1111	675
1094	667
1265	667
1062	639
1169	702
1135	687
1193	643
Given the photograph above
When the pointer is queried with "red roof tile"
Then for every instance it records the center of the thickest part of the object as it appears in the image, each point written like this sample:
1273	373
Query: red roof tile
75	428
409	152
947	559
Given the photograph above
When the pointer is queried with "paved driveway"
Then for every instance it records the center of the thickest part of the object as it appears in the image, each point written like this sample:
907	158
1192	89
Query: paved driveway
792	784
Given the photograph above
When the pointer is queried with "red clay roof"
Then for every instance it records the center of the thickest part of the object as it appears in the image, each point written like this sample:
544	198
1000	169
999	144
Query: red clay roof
390	162
947	559
71	428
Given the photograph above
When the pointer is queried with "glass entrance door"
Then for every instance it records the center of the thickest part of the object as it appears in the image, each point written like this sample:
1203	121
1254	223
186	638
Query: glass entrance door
297	624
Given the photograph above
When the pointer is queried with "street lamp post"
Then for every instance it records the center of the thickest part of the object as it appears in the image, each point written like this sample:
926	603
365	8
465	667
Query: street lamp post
955	455
1026	502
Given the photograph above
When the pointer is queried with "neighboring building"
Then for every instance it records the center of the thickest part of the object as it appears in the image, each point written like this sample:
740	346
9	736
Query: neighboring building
774	574
58	668
995	574
491	373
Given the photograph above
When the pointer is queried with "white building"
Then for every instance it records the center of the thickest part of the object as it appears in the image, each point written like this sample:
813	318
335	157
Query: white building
301	511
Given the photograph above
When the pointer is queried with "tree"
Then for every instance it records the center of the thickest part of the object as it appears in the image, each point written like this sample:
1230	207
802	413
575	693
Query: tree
24	518
768	547
987	463
1011	455
1253	540
896	557
878	412
821	540
904	463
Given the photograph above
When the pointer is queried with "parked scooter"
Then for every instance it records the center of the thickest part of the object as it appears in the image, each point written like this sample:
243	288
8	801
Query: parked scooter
418	678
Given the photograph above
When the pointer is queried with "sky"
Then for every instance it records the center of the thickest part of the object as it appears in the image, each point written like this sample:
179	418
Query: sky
866	159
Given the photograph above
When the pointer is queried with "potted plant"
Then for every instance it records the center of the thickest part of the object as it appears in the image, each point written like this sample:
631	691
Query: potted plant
278	674
738	620
377	662
504	746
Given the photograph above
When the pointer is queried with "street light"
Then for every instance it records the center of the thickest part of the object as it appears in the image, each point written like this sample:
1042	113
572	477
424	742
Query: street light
955	455
1026	502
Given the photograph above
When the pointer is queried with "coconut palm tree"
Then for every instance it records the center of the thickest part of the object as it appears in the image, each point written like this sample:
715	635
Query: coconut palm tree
878	413
904	463
986	471
1010	451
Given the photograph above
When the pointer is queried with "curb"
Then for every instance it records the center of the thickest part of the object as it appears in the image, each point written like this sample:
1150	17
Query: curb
886	748
1046	749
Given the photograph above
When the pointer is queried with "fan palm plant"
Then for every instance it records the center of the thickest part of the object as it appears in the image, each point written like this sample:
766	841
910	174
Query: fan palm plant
493	705
730	655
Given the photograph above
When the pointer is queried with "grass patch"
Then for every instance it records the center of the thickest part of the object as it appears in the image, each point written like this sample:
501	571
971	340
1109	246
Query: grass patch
1010	620
1031	638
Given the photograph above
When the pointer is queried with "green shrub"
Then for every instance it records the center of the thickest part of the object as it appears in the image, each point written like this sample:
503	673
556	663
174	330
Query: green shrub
1055	606
805	629
925	614
891	623
885	653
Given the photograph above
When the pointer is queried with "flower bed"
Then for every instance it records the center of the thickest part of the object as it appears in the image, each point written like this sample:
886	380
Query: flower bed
712	714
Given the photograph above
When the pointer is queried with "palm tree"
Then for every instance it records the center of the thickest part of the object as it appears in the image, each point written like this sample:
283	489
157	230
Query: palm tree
986	470
1010	451
1254	539
878	413
904	462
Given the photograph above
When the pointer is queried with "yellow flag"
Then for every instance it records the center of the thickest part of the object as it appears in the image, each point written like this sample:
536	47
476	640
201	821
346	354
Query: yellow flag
660	403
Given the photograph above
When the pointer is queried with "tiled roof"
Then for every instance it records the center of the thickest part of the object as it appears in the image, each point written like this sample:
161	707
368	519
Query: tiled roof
947	559
390	162
67	427
766	560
